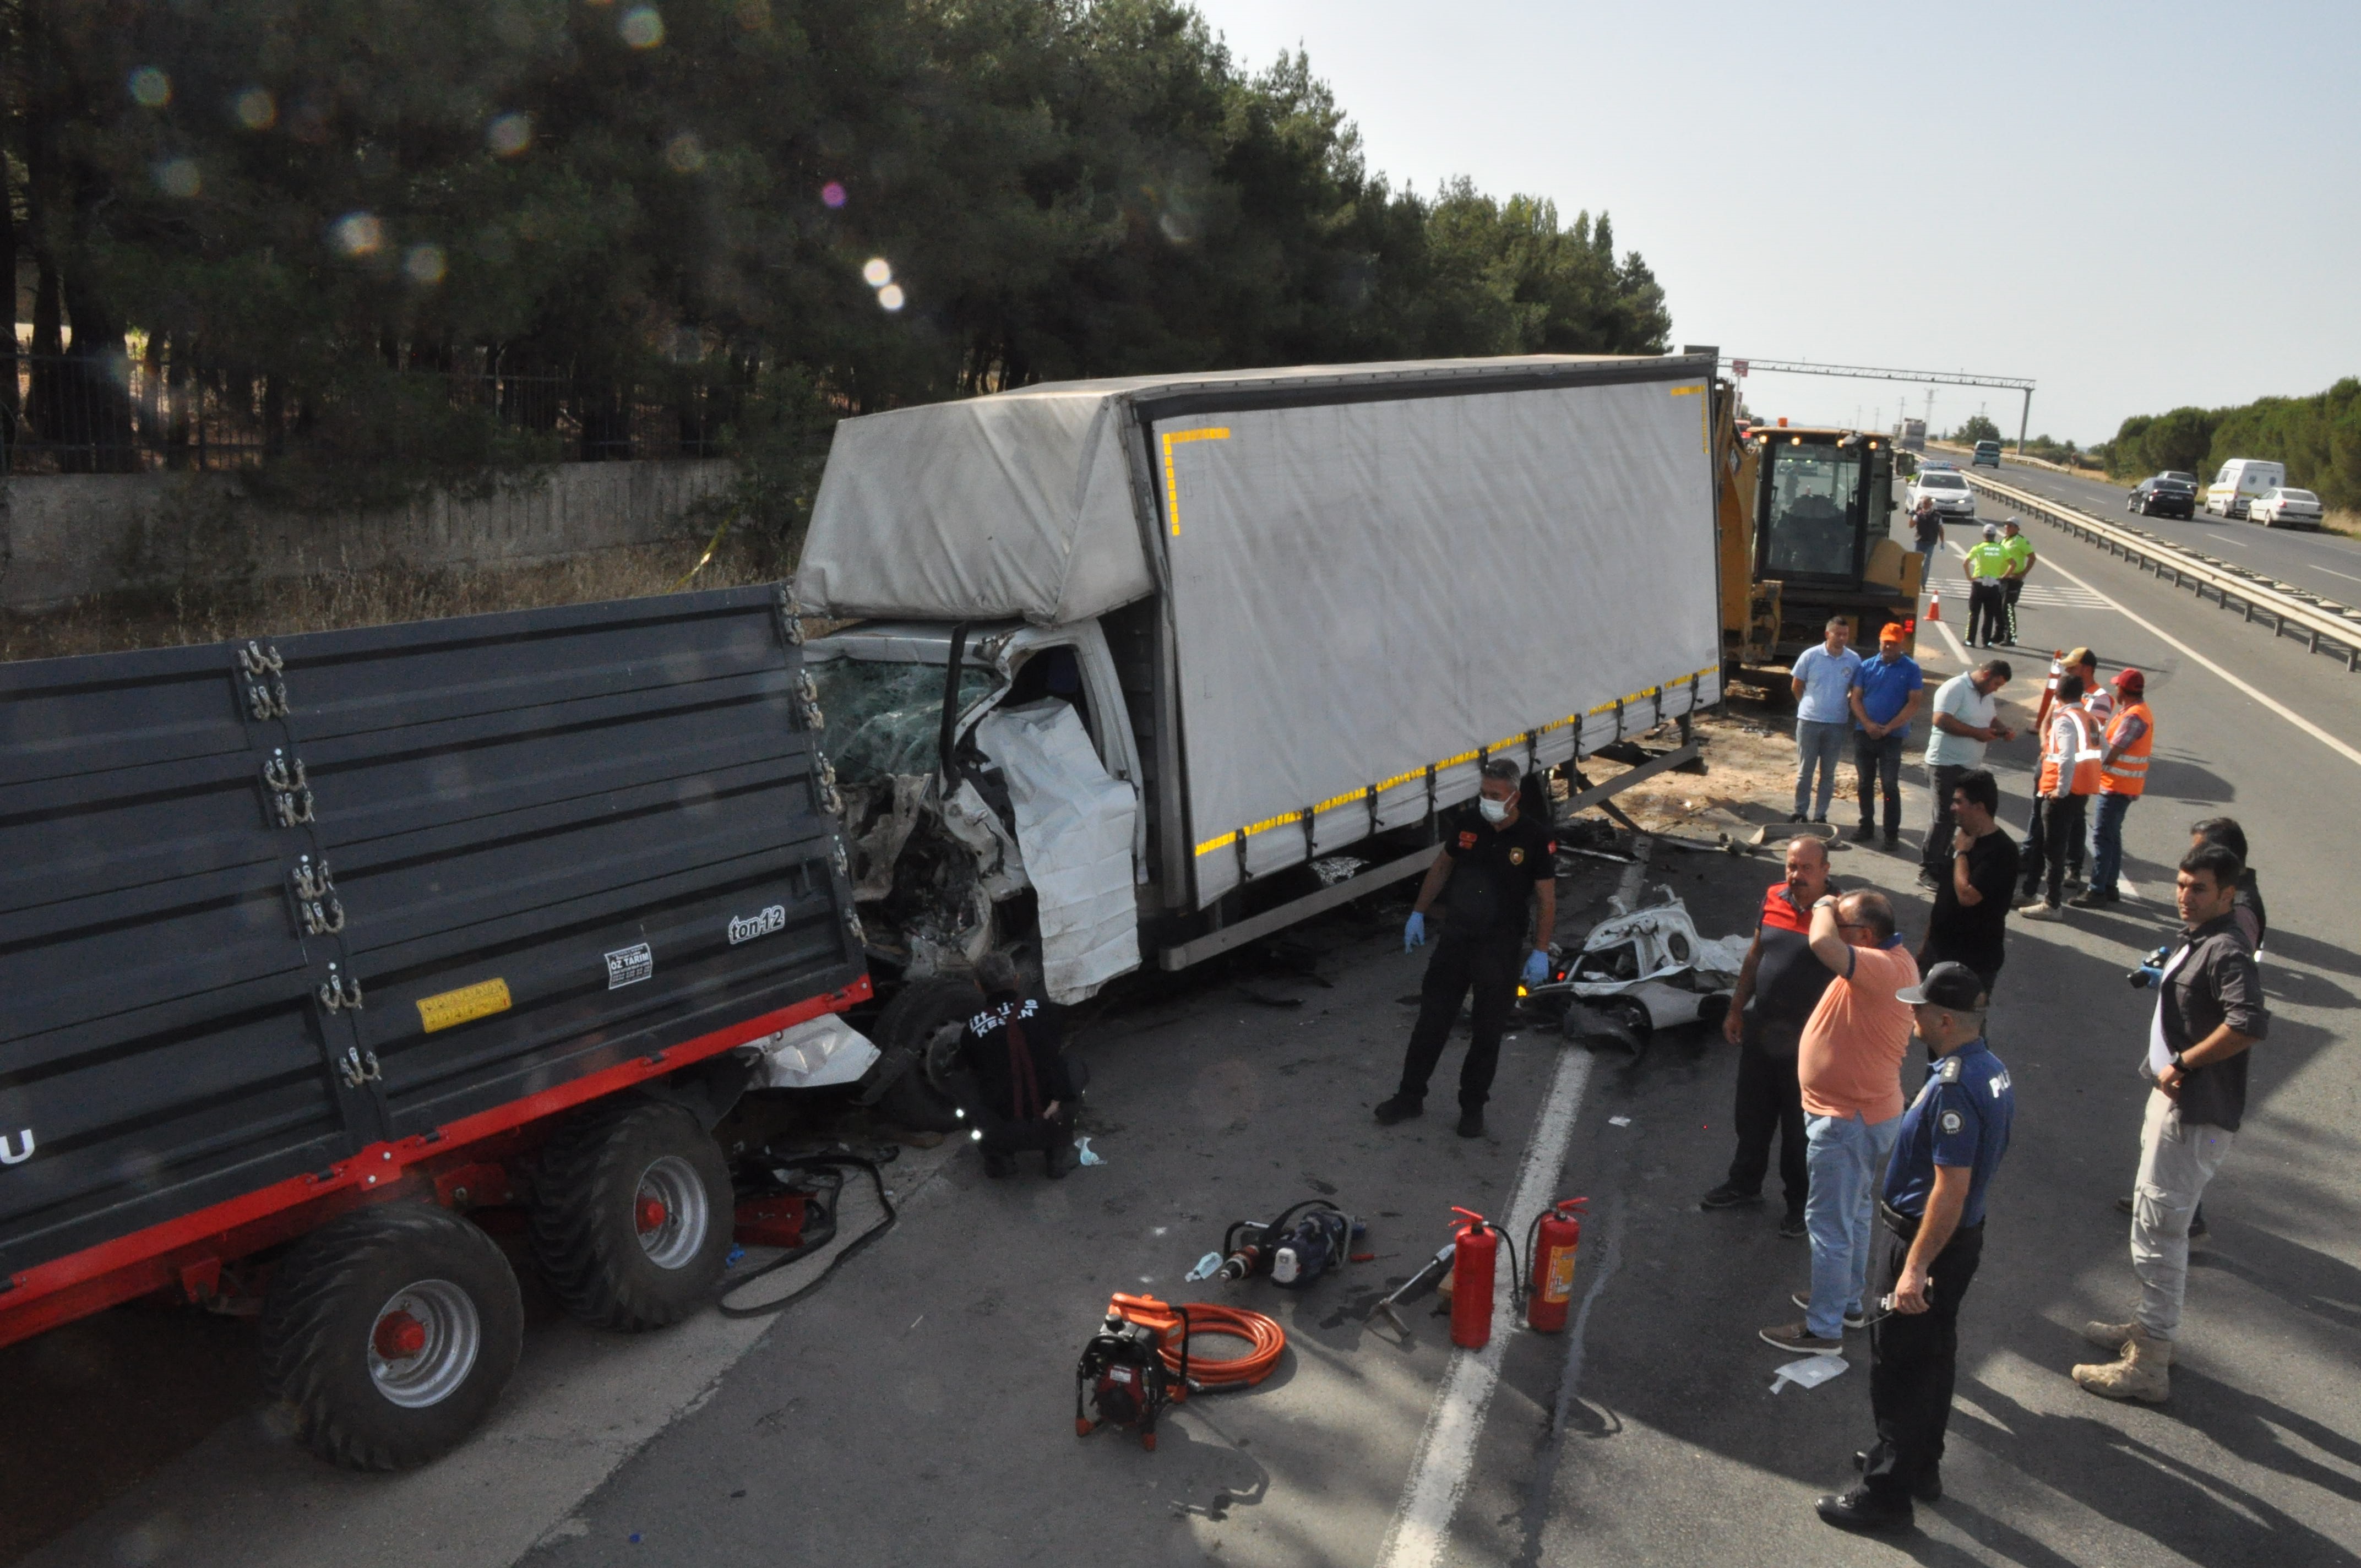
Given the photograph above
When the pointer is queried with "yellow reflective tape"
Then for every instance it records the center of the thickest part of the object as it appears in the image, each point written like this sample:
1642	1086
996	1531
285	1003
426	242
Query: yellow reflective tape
450	1008
1172	481
1352	797
1685	391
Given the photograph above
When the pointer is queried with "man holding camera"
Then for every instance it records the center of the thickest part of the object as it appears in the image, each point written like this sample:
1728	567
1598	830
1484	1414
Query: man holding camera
2209	1012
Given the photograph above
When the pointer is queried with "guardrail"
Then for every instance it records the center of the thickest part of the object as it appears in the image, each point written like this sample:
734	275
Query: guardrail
2325	626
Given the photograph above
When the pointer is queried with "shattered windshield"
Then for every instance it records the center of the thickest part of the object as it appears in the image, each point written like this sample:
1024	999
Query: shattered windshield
886	718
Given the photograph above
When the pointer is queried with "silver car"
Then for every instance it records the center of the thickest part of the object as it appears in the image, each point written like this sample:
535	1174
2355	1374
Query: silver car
1947	489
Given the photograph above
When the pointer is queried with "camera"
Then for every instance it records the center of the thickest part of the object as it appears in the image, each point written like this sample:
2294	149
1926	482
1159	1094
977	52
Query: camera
2151	969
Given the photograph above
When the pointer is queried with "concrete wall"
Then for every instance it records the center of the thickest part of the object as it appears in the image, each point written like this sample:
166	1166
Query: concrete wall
69	535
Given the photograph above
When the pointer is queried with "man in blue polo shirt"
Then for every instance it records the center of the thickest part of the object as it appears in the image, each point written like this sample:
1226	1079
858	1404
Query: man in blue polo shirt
1822	676
1951	1141
1886	692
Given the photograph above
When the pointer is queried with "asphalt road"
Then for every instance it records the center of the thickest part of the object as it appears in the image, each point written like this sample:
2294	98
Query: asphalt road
2326	563
919	1410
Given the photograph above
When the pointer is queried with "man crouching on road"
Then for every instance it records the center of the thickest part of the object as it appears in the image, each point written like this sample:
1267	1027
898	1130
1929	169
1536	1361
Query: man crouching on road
1493	861
2209	1011
1933	1210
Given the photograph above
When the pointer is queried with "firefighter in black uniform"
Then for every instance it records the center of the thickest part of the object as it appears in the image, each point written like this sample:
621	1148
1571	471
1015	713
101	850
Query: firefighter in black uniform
1933	1210
1014	1080
1493	860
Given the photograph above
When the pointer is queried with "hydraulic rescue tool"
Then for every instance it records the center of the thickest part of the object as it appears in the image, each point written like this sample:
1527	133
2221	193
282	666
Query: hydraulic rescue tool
1302	1244
1140	1362
1549	1244
1434	1265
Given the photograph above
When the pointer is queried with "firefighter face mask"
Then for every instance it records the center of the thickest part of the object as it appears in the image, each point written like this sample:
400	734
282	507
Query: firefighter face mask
1493	810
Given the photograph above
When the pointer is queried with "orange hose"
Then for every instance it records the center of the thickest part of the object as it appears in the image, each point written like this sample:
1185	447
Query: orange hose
1263	1335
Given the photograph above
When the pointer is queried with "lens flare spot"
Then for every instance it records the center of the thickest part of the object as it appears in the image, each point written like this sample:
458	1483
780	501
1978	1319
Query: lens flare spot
256	109
891	296
832	194
150	88
641	27
508	135
875	272
685	153
358	233
424	264
179	177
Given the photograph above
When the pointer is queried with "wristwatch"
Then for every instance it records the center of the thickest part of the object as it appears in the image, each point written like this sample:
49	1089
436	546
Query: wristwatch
2177	1064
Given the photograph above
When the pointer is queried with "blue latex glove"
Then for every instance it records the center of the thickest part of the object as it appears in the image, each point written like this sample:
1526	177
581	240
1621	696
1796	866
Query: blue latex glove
1414	933
1537	969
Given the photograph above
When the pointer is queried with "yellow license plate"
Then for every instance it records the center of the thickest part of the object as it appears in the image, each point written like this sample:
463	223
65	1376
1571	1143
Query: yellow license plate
450	1008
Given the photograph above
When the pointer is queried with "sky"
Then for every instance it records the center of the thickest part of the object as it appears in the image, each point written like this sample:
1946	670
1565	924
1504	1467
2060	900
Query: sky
2137	206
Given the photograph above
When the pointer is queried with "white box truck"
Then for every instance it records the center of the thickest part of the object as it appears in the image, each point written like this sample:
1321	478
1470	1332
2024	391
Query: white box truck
1218	648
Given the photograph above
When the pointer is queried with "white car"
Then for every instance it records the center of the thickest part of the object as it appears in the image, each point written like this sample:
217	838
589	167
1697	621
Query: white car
1946	488
2284	508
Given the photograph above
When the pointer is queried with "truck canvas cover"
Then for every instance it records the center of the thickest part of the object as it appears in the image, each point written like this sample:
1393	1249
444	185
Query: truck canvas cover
263	906
1375	574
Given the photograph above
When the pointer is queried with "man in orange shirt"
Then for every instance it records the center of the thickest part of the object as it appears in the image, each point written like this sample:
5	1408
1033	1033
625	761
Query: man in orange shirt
1849	1065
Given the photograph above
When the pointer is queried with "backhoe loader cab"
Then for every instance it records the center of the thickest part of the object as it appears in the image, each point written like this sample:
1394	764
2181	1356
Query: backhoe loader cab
1821	541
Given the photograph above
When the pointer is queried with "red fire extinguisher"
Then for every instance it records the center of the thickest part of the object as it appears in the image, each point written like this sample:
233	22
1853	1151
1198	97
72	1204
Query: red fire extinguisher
1475	1260
1552	1245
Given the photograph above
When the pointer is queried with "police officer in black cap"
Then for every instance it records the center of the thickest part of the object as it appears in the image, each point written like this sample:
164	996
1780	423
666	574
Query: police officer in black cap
1933	1208
1494	860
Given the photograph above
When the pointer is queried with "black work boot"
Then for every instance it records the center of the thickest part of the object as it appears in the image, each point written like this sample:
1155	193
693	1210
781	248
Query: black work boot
1862	1509
1401	1108
1471	1122
997	1166
1058	1156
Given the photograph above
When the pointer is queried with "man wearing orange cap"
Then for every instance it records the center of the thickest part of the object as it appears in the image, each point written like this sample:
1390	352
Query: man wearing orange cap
2123	774
1886	692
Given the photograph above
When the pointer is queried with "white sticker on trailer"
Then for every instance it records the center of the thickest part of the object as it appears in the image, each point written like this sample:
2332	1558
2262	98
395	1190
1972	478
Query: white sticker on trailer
629	966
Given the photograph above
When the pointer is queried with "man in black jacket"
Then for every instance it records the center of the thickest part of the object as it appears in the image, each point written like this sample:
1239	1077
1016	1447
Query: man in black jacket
2209	1010
1015	1083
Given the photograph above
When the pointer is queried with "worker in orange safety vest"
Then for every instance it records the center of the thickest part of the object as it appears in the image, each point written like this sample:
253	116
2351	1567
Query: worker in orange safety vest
2123	774
2070	777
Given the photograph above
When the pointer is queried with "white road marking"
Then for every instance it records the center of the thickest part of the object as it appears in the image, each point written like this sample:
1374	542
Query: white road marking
1447	1449
2349	753
2335	573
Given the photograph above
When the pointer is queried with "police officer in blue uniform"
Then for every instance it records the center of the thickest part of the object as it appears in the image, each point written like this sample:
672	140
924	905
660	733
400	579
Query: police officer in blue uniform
1951	1141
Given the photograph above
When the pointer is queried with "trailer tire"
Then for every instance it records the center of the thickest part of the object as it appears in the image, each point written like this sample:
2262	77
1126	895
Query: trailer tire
631	1216
918	1019
346	1303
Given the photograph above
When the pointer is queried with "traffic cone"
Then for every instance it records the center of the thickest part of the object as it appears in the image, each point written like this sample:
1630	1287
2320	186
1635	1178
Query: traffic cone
1935	605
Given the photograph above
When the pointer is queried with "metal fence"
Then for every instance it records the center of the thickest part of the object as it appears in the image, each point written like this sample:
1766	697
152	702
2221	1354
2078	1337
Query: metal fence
113	413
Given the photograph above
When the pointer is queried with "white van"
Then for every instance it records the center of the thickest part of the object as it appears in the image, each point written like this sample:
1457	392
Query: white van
2240	481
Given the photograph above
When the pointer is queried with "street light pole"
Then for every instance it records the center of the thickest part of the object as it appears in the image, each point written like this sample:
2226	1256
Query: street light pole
2023	422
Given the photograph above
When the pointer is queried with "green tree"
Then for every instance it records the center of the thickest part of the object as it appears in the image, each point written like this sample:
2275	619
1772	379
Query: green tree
294	208
1974	428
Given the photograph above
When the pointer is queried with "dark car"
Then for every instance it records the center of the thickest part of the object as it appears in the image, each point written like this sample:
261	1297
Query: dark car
2164	496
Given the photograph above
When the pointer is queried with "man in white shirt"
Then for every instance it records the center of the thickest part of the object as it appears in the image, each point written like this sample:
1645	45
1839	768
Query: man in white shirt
1964	723
1823	686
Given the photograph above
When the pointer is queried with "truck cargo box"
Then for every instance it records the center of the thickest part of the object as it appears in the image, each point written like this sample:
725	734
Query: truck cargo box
264	905
1365	578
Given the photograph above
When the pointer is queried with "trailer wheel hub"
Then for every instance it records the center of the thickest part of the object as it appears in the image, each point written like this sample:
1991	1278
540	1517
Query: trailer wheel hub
399	1336
423	1343
671	1212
